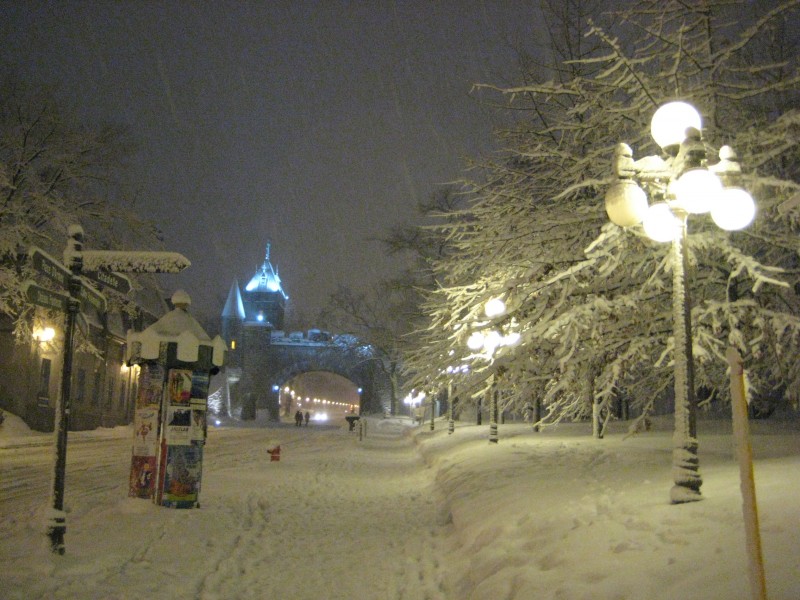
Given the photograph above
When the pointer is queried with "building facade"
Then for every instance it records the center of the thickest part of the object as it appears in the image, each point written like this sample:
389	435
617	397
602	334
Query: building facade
103	387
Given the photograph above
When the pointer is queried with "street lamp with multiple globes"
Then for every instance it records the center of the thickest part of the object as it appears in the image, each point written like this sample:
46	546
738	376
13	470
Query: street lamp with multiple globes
489	341
682	184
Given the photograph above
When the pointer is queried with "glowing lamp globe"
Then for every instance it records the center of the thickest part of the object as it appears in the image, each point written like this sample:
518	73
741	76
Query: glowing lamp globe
492	340
475	341
494	308
734	209
626	203
660	224
670	122
697	190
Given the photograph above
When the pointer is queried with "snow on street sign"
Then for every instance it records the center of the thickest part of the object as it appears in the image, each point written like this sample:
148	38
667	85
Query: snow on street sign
115	281
134	261
44	297
60	275
91	297
49	267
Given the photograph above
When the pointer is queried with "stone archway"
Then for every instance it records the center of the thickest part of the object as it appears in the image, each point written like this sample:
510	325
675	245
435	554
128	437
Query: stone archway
266	372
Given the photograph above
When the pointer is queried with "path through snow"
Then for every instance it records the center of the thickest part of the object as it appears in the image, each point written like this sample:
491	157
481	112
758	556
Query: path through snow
335	518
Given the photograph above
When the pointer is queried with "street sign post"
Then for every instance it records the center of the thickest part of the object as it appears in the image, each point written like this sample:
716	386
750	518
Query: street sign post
99	266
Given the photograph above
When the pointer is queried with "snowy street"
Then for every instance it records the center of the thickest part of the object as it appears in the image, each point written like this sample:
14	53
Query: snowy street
334	518
403	514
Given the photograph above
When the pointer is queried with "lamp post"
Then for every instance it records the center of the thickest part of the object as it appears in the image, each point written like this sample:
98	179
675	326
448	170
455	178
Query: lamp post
489	341
451	424
433	408
682	184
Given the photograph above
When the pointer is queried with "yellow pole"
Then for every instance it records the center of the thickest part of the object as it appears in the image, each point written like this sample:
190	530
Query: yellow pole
744	454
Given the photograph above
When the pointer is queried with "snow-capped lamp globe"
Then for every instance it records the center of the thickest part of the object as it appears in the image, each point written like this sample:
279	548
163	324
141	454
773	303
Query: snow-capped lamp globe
475	341
660	223
494	307
669	124
735	207
626	202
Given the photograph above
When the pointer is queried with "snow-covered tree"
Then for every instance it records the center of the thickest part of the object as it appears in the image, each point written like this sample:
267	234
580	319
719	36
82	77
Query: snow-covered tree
591	300
370	318
55	172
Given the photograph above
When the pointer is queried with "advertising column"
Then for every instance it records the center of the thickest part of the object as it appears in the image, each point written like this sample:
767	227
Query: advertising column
177	359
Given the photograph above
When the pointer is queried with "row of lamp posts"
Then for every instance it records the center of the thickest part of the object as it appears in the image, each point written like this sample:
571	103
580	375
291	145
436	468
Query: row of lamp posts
684	182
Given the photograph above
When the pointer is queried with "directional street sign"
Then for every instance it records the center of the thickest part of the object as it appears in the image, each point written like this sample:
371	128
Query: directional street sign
90	296
59	274
118	283
49	267
44	297
99	266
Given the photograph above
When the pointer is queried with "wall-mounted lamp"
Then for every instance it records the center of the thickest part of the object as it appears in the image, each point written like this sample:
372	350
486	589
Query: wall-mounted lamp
45	334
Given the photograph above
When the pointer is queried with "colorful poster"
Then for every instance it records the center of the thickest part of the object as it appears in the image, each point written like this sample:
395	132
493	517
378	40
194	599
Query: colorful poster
143	477
145	432
182	476
180	386
151	385
179	426
198	424
200	384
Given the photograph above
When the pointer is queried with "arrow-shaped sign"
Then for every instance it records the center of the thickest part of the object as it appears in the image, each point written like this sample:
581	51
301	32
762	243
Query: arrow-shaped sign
60	275
90	296
49	267
44	297
115	281
134	261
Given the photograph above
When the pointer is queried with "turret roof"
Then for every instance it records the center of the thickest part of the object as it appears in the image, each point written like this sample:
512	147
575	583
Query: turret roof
266	279
234	307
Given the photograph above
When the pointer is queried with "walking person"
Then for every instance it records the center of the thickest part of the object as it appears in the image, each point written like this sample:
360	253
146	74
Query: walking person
298	418
307	417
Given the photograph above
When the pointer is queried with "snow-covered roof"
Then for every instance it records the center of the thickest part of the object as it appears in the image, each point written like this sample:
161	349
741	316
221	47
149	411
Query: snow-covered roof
176	326
234	307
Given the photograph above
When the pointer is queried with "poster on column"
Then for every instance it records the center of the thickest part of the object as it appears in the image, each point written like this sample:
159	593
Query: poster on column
179	426
142	480
198	424
180	386
151	385
145	432
182	476
200	386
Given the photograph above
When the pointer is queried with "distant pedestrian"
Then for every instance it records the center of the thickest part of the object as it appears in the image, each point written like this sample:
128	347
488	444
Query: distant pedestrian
298	418
307	417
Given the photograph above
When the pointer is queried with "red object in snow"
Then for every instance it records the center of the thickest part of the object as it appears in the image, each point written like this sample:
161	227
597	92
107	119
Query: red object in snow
274	454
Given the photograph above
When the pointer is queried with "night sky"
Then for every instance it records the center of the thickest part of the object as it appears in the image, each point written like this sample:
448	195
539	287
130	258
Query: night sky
316	125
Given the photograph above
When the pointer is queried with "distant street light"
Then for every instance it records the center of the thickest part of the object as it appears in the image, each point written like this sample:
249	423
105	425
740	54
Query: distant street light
683	184
489	341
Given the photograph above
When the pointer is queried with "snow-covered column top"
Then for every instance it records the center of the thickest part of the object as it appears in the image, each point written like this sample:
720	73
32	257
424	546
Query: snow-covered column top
176	326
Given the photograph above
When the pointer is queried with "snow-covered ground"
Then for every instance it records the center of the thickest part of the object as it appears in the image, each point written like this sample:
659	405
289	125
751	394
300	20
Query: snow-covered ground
405	513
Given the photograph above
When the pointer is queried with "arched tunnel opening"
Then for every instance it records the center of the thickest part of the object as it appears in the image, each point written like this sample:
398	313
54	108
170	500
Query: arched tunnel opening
325	396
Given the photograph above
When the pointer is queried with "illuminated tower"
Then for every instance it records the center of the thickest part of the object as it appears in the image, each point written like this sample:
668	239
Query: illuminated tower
263	298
